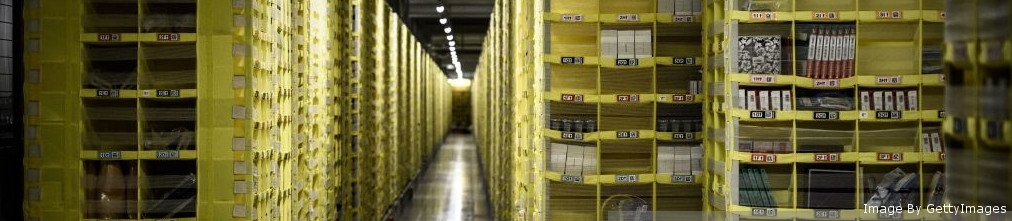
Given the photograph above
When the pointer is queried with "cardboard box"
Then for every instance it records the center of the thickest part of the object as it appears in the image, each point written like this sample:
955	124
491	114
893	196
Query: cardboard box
644	43
609	43
626	44
865	100
775	100
697	159
683	160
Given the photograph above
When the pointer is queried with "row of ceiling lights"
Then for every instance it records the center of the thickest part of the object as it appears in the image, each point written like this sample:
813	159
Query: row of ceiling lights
449	38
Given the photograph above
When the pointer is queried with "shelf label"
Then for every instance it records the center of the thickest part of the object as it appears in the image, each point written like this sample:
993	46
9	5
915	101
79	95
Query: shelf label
826	115
888	80
826	83
627	134
628	17
827	214
764	158
571	60
683	61
683	136
684	19
890	157
889	14
109	37
627	62
890	115
572	179
763	114
107	93
627	178
166	93
827	157
167	154
628	98
572	97
168	37
110	155
825	15
941	156
572	18
572	136
762	15
682	179
763	79
770	212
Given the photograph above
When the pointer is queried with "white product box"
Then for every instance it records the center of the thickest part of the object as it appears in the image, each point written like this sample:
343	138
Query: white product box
644	43
926	142
697	159
683	160
683	7
589	160
665	159
936	142
665	6
558	157
626	44
574	160
912	100
764	100
890	100
752	100
742	98
786	96
609	43
877	101
775	100
901	101
865	100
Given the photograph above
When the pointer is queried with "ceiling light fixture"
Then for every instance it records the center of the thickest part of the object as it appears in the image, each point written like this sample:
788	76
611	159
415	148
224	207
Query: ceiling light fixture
440	9
447	30
442	21
449	37
453	43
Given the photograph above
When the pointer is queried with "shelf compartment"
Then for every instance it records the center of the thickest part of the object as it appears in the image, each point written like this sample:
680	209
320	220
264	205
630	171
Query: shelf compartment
767	186
169	124
168	189
110	66
573	78
902	179
888	49
826	137
169	66
627	81
892	137
169	16
109	16
573	39
574	159
574	7
627	202
110	124
110	190
680	40
626	117
762	49
573	117
626	157
687	118
765	137
572	201
827	186
679	80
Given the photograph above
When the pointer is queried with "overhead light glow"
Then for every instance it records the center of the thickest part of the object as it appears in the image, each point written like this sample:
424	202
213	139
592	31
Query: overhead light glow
453	48
442	21
447	30
453	43
440	9
449	37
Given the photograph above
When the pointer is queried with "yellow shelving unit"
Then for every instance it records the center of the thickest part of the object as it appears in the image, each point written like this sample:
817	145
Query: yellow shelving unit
224	110
553	68
894	50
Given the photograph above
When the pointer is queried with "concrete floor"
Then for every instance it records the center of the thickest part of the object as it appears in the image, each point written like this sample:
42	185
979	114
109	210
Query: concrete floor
452	188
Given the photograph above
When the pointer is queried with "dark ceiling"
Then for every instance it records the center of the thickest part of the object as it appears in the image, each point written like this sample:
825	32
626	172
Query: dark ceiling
468	19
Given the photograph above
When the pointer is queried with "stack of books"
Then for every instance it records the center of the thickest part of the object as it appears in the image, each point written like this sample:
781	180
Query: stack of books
754	188
827	50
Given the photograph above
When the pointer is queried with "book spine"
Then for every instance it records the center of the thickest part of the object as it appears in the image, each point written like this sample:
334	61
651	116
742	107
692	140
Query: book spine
865	100
851	46
786	96
820	42
775	100
810	62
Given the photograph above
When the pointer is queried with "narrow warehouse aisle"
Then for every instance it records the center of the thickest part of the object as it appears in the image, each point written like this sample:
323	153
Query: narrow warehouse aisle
452	188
